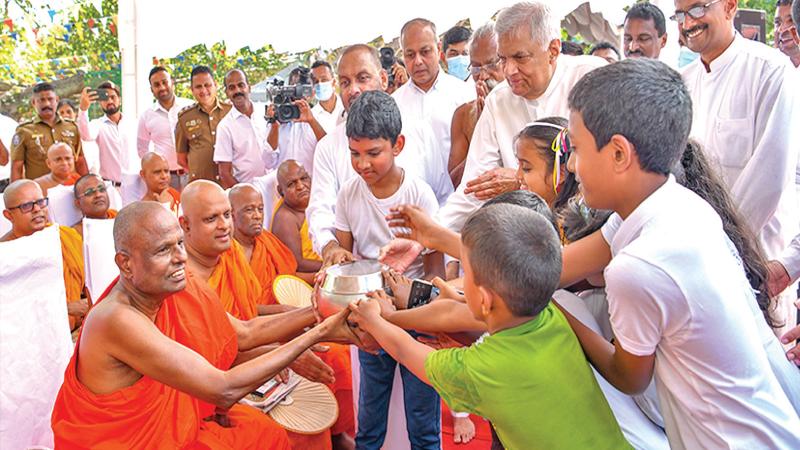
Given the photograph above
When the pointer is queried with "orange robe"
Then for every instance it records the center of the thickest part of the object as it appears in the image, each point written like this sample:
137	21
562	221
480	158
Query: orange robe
175	203
235	283
271	258
72	254
152	415
73	177
111	213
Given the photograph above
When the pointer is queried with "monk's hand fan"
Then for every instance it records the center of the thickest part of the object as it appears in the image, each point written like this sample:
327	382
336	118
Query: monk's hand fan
310	408
291	290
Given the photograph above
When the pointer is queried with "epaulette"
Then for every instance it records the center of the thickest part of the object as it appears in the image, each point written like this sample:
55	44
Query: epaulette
187	108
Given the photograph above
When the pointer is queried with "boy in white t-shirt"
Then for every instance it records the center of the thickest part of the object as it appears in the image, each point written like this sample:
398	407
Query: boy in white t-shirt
373	131
680	305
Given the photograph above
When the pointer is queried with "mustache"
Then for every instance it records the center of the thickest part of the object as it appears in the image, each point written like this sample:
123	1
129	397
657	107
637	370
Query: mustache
693	29
46	108
238	95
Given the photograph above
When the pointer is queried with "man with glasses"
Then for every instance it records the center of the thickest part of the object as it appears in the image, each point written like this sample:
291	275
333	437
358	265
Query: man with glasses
745	97
92	200
538	81
26	209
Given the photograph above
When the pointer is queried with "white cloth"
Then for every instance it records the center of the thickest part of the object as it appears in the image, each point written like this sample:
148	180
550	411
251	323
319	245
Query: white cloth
690	304
435	107
638	429
332	169
132	189
61	208
268	186
35	342
503	117
157	127
117	142
329	120
8	127
242	141
363	215
98	255
297	141
791	259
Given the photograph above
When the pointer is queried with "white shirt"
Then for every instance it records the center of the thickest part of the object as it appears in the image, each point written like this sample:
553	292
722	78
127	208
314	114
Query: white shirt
157	127
363	215
435	107
791	259
242	141
297	141
745	116
676	288
333	168
115	141
329	120
504	116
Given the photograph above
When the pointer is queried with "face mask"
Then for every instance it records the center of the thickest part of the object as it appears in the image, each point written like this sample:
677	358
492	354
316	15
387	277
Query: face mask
686	56
458	66
323	90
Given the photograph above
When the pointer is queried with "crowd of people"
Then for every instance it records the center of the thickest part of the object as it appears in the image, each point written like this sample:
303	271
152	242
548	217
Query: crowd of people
614	244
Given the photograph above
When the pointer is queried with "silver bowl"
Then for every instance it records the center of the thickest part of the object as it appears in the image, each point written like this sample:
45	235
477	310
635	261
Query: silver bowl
346	283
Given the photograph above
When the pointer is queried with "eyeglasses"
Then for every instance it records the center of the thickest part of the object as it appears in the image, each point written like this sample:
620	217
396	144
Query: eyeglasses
695	12
28	206
491	67
91	191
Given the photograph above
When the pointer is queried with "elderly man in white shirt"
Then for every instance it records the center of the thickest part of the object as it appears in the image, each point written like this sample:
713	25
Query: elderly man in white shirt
538	81
329	112
157	124
114	133
431	96
745	98
241	150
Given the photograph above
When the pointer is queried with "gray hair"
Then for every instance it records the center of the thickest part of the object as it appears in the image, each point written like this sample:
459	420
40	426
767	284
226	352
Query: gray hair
485	31
537	17
374	115
516	253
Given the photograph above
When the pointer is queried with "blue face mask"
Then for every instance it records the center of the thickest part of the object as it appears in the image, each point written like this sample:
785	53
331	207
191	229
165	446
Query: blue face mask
686	56
323	90
458	66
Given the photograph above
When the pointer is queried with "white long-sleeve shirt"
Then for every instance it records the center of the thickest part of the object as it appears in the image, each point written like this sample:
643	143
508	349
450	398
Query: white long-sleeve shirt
329	120
116	141
332	168
504	116
157	126
242	141
297	141
746	116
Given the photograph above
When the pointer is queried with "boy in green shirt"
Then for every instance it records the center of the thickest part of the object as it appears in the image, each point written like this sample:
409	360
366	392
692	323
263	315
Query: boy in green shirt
529	377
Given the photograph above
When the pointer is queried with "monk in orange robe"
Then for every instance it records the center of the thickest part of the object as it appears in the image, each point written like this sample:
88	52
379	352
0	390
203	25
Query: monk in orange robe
268	258
91	198
155	174
26	209
186	350
61	162
215	257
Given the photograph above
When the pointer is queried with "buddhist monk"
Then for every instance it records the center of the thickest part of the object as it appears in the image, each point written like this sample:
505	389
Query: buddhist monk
155	174
268	258
158	362
26	209
92	200
289	221
61	162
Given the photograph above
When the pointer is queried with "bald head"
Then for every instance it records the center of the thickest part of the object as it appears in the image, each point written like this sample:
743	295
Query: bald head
150	254
60	159
155	172
368	52
359	70
23	207
294	185
247	206
91	196
206	219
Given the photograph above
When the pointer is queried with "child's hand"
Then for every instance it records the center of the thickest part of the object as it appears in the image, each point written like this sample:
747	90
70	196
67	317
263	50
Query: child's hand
365	311
381	298
446	290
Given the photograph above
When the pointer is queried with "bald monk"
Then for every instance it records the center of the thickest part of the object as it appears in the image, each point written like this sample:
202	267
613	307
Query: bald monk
61	162
92	200
289	221
159	364
26	209
156	176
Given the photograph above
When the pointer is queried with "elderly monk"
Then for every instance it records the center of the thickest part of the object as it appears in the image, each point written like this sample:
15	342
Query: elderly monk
61	162
26	209
156	176
217	259
269	257
92	200
289	221
159	363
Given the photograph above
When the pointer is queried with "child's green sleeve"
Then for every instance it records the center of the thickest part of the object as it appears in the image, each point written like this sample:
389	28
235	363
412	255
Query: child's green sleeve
450	376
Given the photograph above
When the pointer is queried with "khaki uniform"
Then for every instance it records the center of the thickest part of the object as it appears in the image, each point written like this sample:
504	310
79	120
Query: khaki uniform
196	134
33	138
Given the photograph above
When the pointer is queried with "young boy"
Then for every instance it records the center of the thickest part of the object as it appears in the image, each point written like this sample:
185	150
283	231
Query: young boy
529	376
677	293
373	131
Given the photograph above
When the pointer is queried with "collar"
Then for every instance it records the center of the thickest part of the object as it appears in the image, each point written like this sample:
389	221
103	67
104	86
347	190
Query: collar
216	106
39	120
433	86
723	60
235	113
647	209
554	80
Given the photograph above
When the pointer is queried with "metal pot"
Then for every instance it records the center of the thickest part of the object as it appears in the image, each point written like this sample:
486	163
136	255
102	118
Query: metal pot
346	283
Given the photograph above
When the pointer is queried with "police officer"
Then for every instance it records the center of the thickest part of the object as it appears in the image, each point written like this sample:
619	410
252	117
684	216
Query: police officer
196	131
33	138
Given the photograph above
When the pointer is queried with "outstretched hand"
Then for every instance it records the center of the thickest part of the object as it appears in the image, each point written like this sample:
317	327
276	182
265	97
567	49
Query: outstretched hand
310	366
412	222
399	254
493	183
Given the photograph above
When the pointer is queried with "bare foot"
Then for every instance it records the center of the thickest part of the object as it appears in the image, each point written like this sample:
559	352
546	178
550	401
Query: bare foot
343	441
463	430
400	286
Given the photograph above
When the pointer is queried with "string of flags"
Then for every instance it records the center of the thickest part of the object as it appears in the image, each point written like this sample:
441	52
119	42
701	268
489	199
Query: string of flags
95	25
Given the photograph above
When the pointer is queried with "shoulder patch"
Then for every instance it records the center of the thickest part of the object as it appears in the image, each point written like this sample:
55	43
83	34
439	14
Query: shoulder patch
16	139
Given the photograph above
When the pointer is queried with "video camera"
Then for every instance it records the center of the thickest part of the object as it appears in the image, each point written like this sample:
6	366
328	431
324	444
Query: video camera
387	62
283	96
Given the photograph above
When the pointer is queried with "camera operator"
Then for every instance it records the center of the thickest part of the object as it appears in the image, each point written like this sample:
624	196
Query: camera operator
394	68
329	111
298	138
